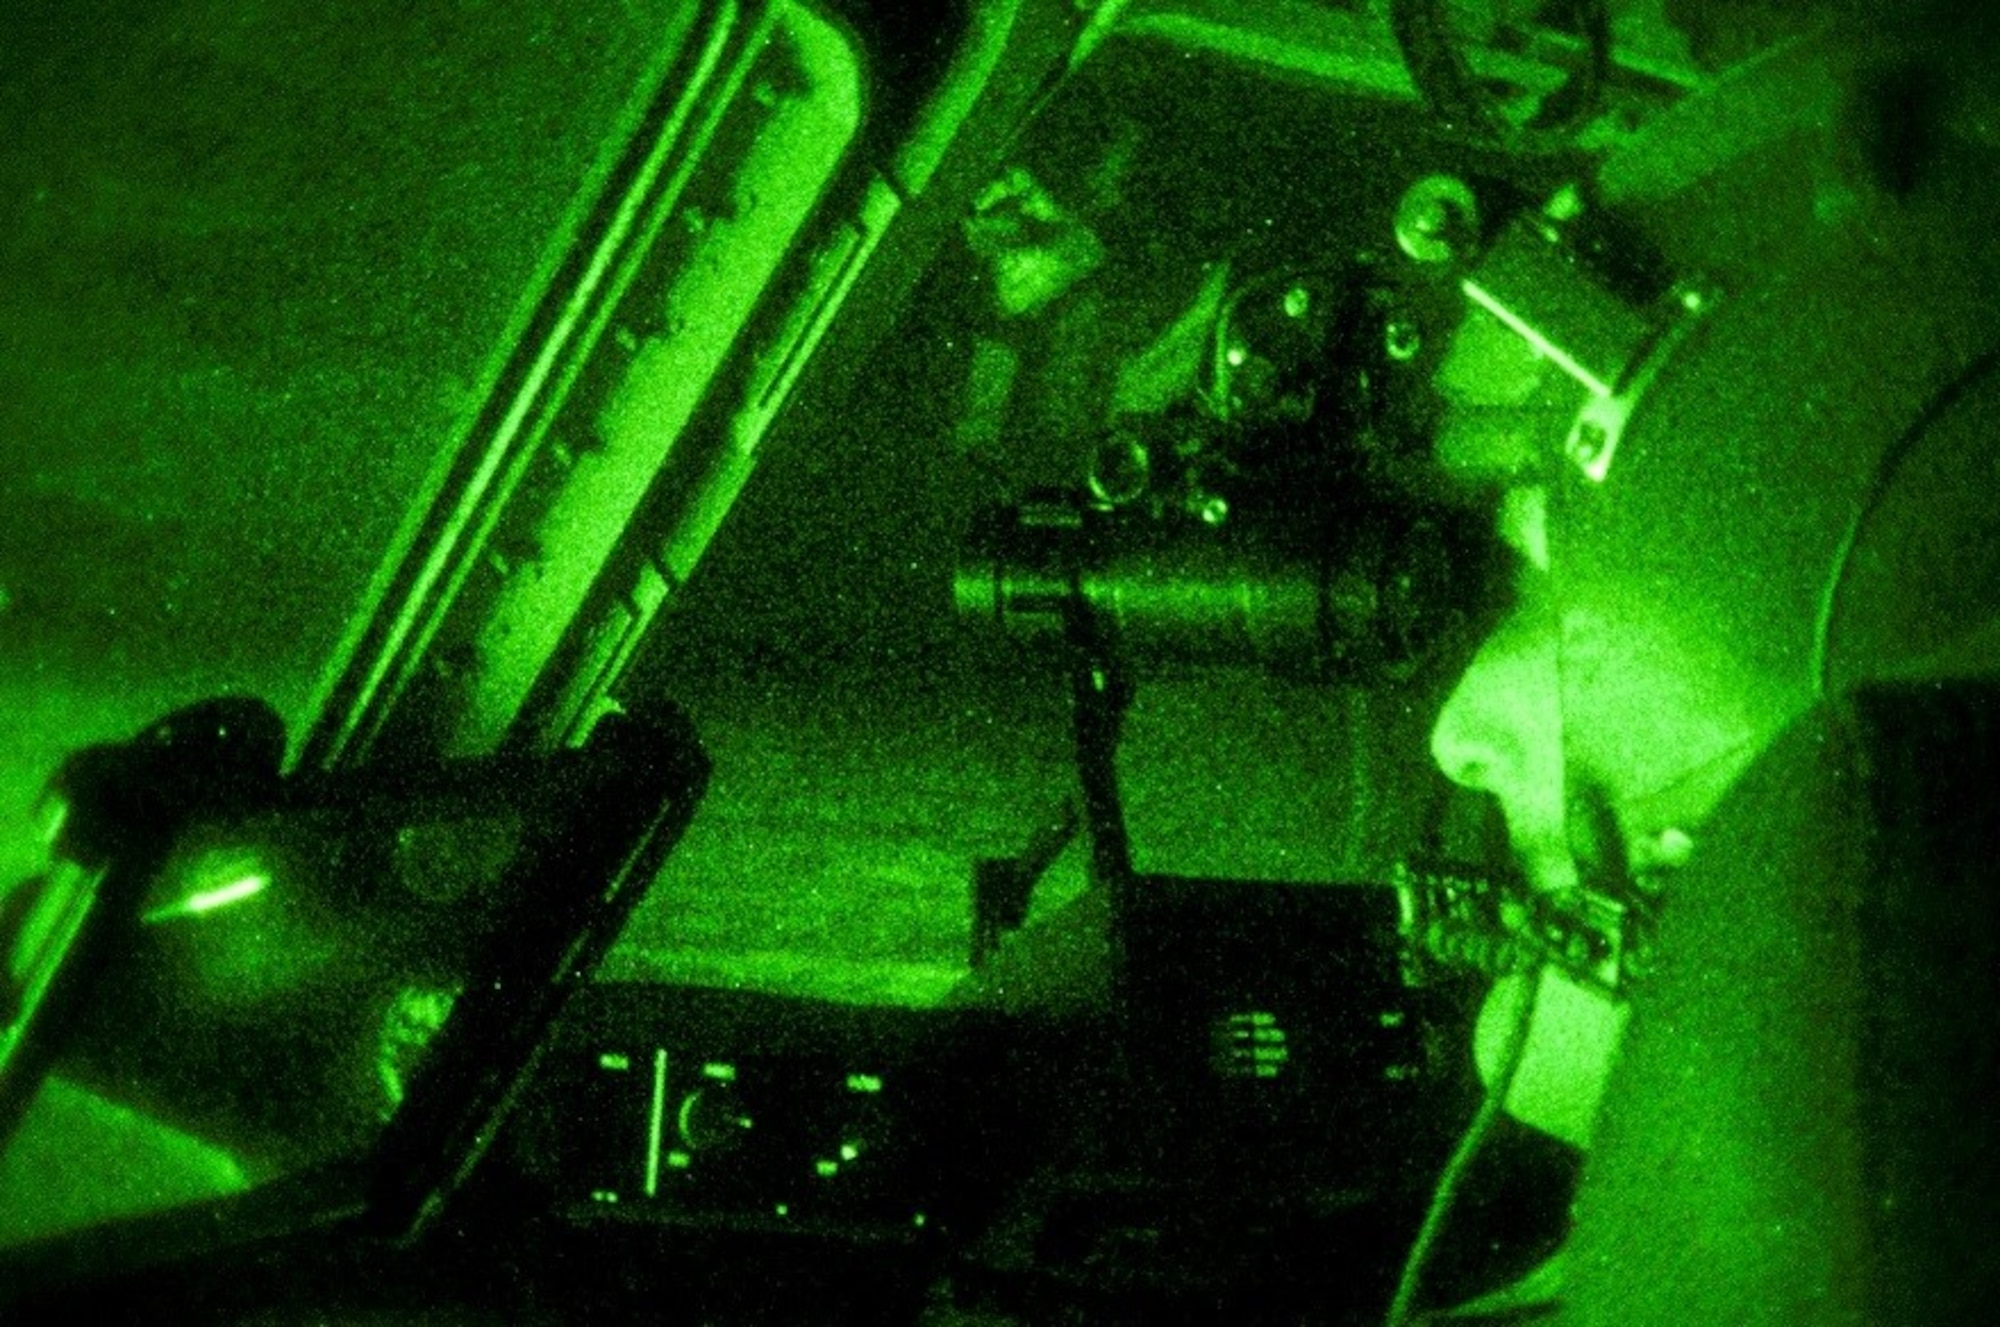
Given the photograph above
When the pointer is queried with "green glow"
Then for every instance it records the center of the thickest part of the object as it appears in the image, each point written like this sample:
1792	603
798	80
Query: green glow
233	892
603	1196
1323	44
848	1151
80	1159
54	816
918	1220
684	1118
863	1083
50	923
826	1169
721	1073
614	1061
209	900
414	1017
656	1120
679	1160
783	1209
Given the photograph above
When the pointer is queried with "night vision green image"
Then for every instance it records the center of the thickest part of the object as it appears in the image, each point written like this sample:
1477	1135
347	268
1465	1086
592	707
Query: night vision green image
1024	661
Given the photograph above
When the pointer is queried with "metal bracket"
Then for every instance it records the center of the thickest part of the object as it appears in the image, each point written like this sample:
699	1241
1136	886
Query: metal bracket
1536	282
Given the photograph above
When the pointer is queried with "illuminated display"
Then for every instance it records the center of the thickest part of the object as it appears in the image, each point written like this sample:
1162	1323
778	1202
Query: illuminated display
208	900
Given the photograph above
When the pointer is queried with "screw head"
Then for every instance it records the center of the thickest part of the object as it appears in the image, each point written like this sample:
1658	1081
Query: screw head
1589	442
1437	220
1402	340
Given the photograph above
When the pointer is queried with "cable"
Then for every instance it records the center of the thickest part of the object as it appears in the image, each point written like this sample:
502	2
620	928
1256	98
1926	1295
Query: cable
1453	1175
1466	107
1887	470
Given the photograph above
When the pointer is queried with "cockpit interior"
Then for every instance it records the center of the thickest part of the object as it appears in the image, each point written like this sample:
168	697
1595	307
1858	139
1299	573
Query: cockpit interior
746	661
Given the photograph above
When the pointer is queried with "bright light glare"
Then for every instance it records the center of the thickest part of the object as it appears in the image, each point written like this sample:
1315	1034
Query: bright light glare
208	900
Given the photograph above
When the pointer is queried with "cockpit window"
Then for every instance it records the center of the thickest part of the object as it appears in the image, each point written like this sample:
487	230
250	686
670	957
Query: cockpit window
259	264
258	261
874	744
